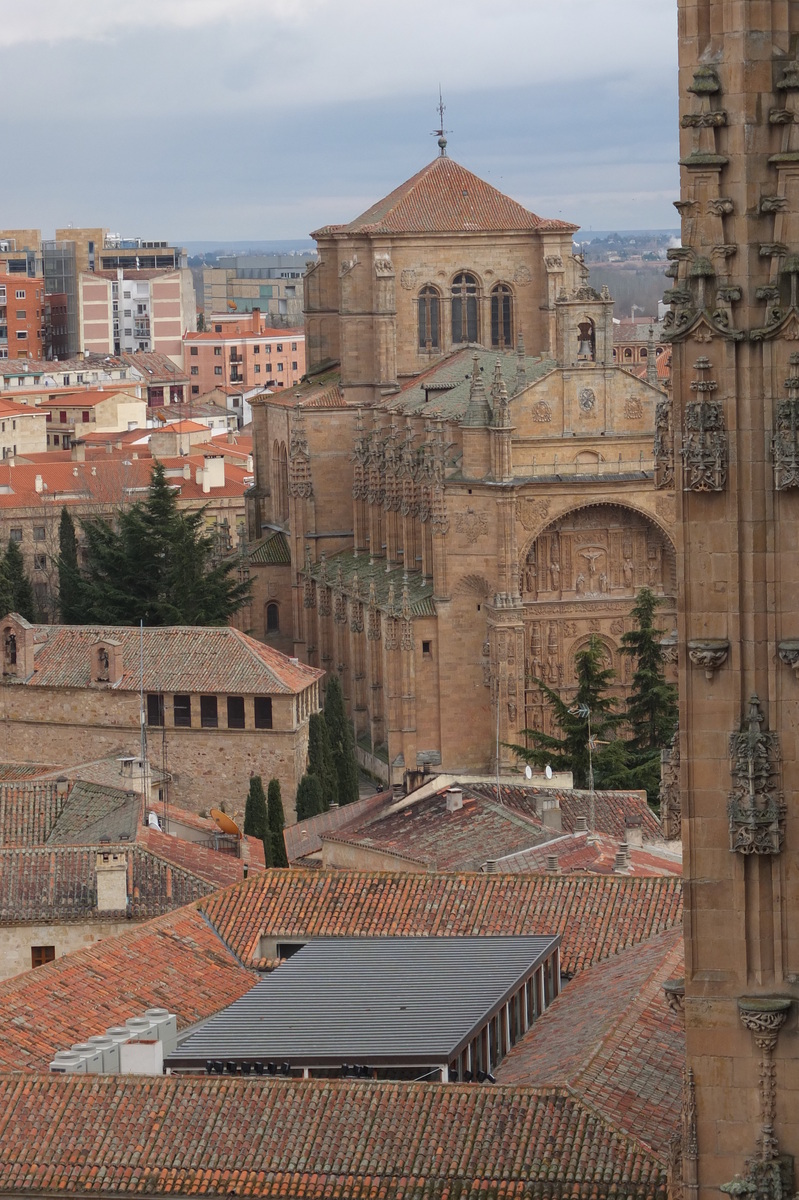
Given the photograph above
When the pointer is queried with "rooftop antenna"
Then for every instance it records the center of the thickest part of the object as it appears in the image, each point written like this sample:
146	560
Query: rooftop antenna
441	131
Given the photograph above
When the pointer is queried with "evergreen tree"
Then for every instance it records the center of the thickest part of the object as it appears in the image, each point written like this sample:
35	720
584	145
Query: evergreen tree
652	703
200	323
309	798
70	599
569	752
320	759
156	566
276	820
256	822
341	741
20	588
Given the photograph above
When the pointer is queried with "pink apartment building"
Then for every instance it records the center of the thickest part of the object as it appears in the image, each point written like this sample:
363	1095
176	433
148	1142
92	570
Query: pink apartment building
124	310
241	350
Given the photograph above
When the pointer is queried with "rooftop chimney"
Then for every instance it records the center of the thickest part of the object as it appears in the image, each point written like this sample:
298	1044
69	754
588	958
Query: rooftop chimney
112	880
38	483
213	471
454	799
581	825
551	815
552	864
621	862
256	320
187	469
635	833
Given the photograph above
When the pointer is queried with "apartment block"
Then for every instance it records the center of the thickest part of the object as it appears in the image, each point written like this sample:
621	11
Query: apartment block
22	316
244	351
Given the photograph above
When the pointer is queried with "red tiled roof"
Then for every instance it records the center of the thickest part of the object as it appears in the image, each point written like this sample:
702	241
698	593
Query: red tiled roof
175	962
28	810
156	368
442	198
597	915
87	399
575	852
318	1139
56	884
612	1040
177	658
612	810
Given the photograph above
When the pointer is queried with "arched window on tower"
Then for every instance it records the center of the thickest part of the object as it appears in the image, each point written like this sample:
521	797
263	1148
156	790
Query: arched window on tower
465	326
429	312
502	316
272	618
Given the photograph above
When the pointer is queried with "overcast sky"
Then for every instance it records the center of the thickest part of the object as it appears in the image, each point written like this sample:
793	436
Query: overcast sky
198	119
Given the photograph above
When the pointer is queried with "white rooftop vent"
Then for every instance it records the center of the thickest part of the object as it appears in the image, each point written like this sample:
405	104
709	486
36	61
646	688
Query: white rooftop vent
454	799
553	864
67	1062
581	825
92	1057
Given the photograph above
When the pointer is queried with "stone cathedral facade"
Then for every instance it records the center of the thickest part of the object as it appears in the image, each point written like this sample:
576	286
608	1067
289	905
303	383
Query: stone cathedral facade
463	489
734	326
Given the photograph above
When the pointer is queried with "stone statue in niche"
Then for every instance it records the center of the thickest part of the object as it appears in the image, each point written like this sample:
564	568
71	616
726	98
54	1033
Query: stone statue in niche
628	573
579	585
603	582
10	649
554	574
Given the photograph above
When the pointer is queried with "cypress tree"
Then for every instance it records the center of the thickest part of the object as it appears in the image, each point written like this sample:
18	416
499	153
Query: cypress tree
309	798
320	759
20	587
255	816
341	741
569	752
276	820
70	602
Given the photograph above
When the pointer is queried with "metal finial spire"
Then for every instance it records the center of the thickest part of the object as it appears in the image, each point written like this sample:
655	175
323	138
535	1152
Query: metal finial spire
441	131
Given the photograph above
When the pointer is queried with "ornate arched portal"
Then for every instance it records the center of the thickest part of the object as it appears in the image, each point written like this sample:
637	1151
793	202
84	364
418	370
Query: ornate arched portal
580	576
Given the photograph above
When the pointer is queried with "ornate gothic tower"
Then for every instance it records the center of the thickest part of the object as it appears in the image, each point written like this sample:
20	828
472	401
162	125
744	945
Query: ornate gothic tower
735	423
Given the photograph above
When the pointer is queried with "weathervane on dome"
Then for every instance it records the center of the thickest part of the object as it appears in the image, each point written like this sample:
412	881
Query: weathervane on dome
441	131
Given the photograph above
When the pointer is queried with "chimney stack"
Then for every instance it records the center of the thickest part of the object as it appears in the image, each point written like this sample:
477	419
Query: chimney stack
112	878
581	825
38	484
551	815
553	866
635	834
454	799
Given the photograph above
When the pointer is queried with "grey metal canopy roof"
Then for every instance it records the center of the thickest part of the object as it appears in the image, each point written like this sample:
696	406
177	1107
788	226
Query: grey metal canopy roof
382	1001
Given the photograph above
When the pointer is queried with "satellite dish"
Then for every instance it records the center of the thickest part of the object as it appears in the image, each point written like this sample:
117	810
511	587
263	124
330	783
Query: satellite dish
528	772
548	771
225	823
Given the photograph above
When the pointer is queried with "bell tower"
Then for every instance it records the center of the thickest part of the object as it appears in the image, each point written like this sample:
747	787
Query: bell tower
734	445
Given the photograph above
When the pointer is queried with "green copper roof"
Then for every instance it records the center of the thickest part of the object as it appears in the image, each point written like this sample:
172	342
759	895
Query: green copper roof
444	390
420	590
271	551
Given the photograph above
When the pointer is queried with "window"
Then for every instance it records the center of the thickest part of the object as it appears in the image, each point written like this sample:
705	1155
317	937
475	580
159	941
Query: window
62	416
208	714
22	335
294	366
263	712
193	351
291	291
279	367
257	368
155	708
294	345
279	348
40	562
287	949
39	533
217	329
195	370
181	711
20	293
217	370
428	318
21	314
195	391
56	440
85	416
48	416
218	351
235	712
272	618
256	349
427	649
15	534
501	316
41	955
464	308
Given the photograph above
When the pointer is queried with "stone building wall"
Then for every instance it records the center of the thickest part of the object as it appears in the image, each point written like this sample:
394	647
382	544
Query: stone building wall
17	941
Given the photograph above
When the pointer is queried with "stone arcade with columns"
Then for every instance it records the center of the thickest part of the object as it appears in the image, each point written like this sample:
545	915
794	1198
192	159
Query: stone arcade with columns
465	479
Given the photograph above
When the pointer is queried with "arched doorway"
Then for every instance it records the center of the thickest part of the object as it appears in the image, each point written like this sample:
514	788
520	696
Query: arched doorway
580	576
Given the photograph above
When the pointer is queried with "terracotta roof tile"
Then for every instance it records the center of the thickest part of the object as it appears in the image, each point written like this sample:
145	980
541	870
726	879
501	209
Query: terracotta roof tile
597	915
176	658
317	1139
612	1040
612	810
444	197
175	962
